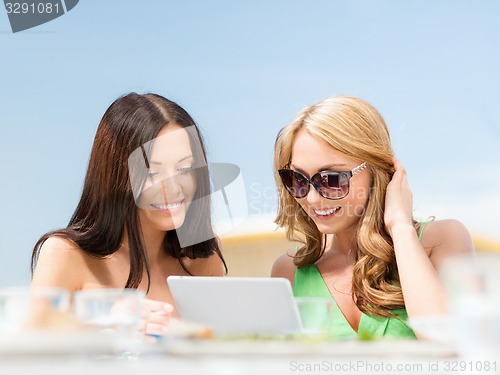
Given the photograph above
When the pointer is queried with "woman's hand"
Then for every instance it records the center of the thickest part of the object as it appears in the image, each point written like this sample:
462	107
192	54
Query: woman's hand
156	315
398	200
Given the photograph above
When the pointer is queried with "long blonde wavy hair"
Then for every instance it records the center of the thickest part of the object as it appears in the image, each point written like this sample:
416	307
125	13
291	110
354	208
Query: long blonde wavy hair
355	128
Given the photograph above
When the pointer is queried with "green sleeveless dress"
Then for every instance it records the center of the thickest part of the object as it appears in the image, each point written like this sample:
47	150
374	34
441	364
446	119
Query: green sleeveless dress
308	282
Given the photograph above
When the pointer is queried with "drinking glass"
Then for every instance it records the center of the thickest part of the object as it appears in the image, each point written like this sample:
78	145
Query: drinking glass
316	316
473	286
27	308
116	313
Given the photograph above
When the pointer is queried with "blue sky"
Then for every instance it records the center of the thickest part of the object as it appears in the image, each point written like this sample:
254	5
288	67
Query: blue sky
243	70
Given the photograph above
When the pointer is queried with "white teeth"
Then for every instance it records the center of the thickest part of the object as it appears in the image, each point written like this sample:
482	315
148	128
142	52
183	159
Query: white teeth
167	207
327	212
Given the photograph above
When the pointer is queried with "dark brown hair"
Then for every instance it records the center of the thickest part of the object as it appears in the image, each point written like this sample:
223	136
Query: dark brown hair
107	207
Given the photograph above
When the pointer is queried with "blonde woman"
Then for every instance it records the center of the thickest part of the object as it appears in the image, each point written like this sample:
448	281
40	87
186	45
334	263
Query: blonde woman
347	199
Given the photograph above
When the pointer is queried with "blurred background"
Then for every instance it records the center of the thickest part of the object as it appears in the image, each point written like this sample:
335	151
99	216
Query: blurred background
243	70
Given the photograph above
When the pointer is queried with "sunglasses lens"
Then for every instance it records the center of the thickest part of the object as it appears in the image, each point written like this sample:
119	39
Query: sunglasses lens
330	185
296	184
333	185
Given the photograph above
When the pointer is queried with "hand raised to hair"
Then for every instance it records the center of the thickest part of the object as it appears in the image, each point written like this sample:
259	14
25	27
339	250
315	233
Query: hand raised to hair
398	200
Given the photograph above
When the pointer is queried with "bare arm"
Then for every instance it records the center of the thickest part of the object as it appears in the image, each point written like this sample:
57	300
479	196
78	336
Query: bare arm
284	267
417	260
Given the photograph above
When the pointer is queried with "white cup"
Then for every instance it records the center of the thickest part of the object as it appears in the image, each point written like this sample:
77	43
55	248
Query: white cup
116	313
32	308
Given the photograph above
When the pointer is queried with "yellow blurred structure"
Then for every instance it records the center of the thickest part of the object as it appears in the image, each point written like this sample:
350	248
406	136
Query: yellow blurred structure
253	254
484	244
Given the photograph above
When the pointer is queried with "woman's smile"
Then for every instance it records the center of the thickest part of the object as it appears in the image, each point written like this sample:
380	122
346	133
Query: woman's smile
167	208
326	213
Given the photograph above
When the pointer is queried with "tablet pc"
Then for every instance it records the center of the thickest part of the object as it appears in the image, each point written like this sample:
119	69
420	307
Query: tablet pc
236	305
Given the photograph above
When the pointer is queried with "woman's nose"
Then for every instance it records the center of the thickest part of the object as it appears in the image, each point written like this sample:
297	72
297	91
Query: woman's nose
170	186
313	196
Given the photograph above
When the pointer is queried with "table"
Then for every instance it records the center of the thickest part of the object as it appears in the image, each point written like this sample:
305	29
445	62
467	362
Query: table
223	357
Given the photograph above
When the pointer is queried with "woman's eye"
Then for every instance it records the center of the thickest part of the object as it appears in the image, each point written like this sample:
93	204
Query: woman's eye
152	174
185	170
300	178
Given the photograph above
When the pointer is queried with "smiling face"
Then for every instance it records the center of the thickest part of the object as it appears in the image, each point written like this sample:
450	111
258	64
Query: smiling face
170	185
310	156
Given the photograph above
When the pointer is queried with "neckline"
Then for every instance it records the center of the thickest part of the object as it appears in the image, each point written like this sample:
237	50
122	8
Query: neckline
361	320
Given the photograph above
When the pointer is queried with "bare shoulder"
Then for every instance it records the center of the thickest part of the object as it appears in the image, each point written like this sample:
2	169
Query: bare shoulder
284	267
58	244
445	238
60	263
59	248
211	266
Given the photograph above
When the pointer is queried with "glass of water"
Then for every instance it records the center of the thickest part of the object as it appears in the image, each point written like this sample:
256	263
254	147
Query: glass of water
316	316
116	313
25	308
473	285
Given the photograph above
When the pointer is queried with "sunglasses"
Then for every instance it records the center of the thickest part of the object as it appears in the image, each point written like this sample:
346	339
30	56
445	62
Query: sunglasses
329	184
